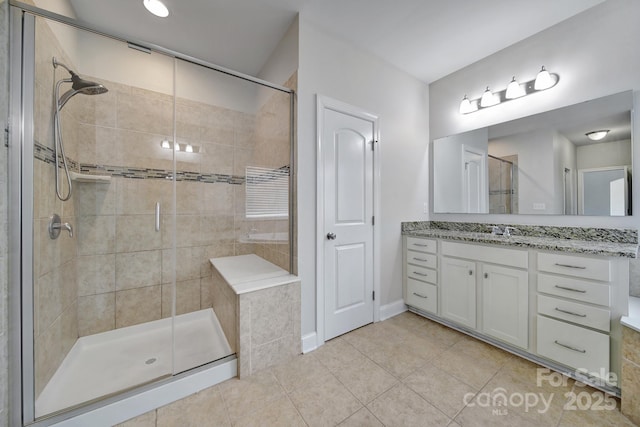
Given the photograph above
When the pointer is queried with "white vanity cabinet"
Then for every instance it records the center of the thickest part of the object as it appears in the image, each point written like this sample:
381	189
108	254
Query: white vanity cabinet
576	303
505	304
558	309
458	289
421	277
486	288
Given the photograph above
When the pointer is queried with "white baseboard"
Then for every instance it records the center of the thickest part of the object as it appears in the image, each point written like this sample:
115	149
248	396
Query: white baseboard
392	309
309	342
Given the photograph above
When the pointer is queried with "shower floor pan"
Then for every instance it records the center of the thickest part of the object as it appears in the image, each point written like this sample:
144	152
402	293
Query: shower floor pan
110	362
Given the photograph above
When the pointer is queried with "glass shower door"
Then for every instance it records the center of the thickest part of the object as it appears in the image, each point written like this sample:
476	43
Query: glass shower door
103	270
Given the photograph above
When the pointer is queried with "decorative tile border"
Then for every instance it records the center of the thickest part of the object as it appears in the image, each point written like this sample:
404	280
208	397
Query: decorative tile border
46	154
611	235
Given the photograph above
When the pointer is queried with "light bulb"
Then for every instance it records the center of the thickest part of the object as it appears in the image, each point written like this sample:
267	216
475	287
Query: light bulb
543	80
488	99
165	144
466	106
514	90
156	7
189	148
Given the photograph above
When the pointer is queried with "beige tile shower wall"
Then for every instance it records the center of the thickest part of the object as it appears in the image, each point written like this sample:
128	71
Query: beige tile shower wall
55	262
225	304
269	327
125	267
272	149
630	383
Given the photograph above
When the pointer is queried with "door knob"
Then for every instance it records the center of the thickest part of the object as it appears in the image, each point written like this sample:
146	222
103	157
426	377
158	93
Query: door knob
331	236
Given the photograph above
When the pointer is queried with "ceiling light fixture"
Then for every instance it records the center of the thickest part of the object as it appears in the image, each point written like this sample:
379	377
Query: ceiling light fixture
543	81
156	7
597	135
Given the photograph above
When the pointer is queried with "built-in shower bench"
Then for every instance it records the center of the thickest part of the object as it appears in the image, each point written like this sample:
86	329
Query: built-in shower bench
258	306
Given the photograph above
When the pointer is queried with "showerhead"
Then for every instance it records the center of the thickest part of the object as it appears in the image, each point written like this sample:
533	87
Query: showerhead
78	85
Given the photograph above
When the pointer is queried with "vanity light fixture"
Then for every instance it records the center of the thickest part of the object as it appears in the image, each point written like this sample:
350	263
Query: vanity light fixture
466	106
156	7
514	90
489	99
543	81
597	135
185	148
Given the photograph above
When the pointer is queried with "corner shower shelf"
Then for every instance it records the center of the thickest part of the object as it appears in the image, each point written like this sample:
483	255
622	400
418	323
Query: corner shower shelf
83	177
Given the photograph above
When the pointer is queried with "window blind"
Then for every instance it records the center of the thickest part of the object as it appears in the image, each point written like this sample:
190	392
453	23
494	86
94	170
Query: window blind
267	192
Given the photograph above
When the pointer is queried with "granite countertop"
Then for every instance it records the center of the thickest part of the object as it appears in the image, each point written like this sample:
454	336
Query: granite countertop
603	248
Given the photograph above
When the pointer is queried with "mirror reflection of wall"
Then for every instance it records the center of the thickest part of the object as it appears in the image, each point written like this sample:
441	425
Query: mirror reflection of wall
538	164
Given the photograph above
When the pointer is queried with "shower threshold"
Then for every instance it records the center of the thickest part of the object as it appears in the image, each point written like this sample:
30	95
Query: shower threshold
110	362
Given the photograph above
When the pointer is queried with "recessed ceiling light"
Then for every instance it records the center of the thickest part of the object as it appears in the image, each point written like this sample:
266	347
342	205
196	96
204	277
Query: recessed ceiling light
597	135
156	7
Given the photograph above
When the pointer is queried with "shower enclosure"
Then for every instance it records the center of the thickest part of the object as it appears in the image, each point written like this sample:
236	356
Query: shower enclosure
115	280
503	184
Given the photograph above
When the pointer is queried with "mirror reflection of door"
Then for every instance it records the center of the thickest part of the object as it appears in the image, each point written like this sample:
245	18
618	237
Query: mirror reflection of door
473	181
603	191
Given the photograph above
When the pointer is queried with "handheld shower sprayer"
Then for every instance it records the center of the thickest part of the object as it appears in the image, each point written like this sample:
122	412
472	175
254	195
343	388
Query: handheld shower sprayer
78	85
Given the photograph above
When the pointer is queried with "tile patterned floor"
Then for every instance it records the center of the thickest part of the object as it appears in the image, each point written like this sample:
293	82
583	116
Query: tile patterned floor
405	371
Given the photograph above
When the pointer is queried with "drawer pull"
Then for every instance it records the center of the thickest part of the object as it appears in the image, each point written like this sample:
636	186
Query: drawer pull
579	267
570	312
420	295
420	259
569	347
571	289
422	245
420	274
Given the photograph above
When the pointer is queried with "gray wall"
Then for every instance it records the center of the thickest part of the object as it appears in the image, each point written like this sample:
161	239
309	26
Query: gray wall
573	49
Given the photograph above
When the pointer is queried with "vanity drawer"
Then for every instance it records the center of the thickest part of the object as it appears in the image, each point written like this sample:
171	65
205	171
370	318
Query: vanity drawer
502	256
576	289
421	245
422	295
421	273
573	346
589	268
422	259
575	312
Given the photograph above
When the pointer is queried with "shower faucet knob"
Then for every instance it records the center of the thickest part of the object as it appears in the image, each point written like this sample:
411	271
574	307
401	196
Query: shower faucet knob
55	225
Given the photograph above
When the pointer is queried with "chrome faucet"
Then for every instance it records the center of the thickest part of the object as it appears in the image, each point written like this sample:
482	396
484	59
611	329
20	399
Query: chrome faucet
496	230
508	230
56	224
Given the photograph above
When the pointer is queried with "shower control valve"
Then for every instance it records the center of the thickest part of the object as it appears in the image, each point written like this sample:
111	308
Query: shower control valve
55	225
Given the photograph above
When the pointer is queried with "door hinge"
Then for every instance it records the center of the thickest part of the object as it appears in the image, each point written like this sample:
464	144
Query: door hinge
373	294
373	220
6	136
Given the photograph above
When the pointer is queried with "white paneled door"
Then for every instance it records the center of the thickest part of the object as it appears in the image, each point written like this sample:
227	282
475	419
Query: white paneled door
347	145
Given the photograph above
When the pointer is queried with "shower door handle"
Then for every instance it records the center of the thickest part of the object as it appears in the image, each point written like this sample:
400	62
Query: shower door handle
157	216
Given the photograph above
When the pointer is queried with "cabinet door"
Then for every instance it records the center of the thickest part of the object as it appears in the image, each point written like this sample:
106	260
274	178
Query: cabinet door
505	304
458	289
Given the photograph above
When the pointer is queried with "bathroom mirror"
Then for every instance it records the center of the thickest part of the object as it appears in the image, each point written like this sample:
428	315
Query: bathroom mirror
541	164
